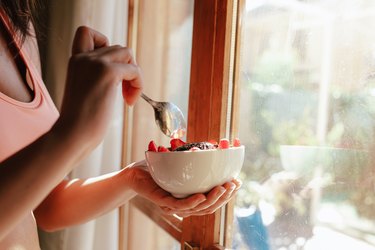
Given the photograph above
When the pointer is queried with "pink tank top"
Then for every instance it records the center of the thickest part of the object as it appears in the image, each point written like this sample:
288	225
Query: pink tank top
21	123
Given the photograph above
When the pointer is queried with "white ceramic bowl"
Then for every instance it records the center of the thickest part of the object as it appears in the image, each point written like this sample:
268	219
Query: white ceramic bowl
188	172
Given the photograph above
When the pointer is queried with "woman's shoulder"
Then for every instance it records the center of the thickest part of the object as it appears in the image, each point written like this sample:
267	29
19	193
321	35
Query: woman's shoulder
30	47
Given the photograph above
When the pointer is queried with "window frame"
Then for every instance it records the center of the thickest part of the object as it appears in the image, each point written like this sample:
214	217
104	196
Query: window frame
213	101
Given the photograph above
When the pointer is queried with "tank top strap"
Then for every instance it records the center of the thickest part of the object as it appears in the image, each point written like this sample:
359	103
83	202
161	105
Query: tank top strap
34	78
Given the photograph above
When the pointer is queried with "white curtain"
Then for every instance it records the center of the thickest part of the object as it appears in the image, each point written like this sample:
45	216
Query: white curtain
110	18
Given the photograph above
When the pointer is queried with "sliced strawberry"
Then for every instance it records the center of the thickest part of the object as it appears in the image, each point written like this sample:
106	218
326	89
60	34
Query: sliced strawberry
223	144
236	142
152	146
175	143
162	149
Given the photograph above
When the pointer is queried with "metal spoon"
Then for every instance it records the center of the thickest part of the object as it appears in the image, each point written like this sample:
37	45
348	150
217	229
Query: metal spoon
168	117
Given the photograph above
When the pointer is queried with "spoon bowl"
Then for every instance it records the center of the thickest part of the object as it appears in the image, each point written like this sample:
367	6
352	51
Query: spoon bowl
168	117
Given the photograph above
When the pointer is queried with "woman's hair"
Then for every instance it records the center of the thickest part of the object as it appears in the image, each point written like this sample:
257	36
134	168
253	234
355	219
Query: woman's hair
21	13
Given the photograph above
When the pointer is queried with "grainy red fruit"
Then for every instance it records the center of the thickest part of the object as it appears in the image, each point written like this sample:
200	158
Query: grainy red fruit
236	142
162	149
175	143
223	144
152	146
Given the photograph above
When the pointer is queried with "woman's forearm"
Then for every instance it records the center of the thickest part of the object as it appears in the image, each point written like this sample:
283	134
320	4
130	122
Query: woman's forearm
28	176
77	201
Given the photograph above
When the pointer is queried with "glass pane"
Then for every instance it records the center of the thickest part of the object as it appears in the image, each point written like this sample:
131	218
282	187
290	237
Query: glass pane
307	119
164	40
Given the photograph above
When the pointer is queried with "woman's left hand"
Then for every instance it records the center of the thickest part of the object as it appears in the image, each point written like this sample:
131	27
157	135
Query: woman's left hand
196	204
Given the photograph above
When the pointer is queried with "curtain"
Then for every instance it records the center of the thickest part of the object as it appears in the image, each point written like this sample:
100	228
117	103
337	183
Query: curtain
165	64
110	18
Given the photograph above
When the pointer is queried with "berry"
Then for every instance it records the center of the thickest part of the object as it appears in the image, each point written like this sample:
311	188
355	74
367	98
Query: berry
223	144
175	143
162	149
236	142
152	146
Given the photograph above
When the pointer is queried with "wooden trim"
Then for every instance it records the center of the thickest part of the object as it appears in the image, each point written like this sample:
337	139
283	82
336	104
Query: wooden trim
208	100
170	224
235	112
209	70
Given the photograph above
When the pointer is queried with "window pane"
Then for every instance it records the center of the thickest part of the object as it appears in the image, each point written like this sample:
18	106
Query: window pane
307	119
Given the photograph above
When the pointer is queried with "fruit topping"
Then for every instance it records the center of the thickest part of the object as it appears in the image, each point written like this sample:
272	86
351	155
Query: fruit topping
162	149
200	145
179	145
175	143
152	146
236	142
223	144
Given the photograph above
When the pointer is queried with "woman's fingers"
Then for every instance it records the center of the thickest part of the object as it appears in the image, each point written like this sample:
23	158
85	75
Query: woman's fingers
188	203
116	53
132	83
209	210
131	91
238	183
87	39
196	201
212	197
216	198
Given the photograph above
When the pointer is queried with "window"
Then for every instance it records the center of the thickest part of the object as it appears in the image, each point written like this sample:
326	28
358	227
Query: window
303	103
306	71
203	29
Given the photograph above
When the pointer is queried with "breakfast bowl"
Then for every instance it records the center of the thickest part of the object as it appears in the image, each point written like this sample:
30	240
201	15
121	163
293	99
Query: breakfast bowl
183	173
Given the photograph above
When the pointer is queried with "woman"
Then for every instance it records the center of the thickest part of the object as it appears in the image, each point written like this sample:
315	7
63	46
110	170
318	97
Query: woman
39	147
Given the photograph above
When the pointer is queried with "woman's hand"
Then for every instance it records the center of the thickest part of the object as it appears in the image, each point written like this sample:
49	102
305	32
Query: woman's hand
94	72
197	204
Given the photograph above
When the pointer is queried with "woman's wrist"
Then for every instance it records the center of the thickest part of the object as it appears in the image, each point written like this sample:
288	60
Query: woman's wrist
70	145
130	174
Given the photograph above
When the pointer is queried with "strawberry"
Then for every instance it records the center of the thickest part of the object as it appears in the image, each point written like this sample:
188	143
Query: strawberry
175	143
152	146
162	149
236	142
223	144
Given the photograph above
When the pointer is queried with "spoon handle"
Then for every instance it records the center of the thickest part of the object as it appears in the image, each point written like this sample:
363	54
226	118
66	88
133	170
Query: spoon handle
148	99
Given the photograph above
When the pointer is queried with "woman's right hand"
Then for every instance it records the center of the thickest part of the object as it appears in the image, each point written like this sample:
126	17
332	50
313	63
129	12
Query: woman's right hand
94	72
198	204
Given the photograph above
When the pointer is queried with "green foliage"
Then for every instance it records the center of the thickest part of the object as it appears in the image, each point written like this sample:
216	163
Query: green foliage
275	68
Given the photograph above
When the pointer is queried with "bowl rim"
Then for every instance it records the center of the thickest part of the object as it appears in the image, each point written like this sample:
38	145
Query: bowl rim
197	151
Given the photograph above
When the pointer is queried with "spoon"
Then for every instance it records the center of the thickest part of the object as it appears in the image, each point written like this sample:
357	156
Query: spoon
168	117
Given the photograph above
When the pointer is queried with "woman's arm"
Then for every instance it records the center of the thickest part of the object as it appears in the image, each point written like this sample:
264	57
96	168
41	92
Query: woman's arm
94	72
78	201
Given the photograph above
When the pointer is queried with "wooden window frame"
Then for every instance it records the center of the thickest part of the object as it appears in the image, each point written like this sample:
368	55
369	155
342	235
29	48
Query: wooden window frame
212	78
